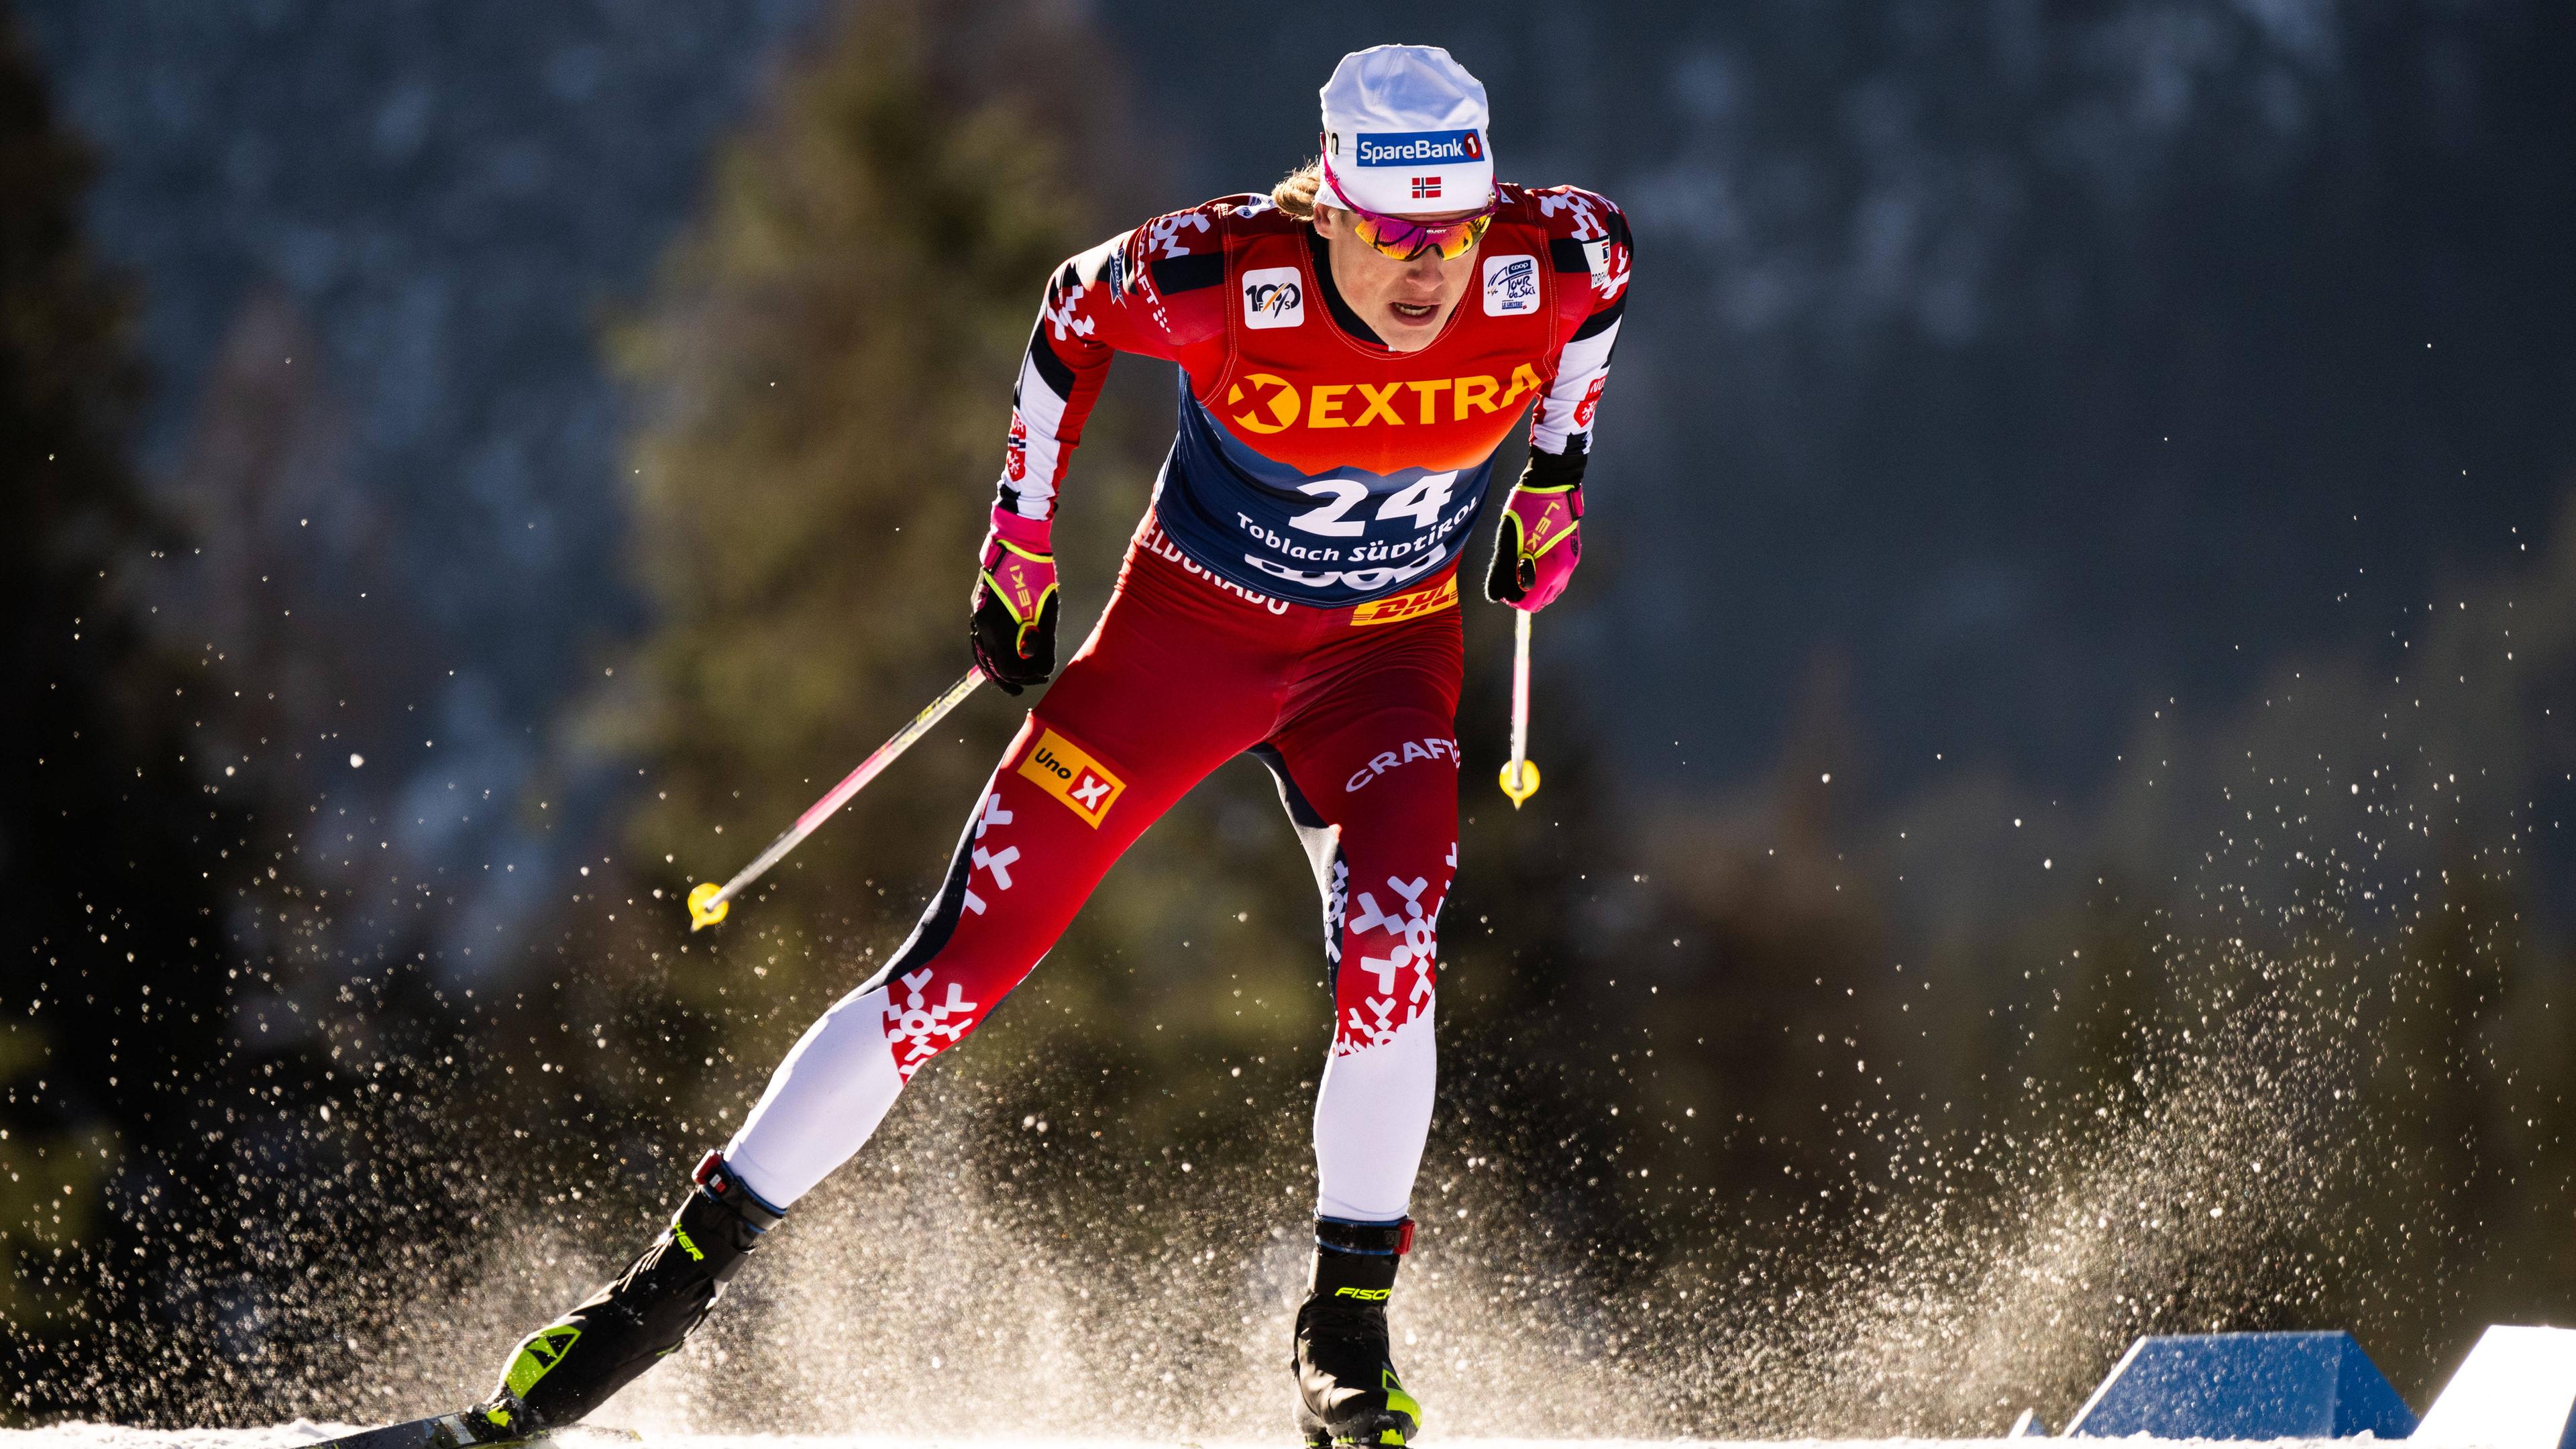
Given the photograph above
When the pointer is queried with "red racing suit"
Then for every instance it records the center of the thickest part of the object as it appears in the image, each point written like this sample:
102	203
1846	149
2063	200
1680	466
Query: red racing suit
1292	594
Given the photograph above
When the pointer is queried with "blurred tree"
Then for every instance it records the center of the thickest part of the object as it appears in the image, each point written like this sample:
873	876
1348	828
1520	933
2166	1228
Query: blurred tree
114	991
825	371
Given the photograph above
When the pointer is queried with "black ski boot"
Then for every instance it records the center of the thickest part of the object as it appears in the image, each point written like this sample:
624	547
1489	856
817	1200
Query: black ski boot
569	1367
1347	1393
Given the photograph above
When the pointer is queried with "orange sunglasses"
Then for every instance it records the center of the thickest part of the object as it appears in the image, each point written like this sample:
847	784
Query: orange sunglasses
1404	238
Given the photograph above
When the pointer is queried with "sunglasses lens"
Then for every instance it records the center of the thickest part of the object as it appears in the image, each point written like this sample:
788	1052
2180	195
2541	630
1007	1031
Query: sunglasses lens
1405	240
1400	240
1455	240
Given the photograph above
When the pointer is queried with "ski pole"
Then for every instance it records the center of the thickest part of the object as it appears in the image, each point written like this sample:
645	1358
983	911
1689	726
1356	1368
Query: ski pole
1520	777
709	902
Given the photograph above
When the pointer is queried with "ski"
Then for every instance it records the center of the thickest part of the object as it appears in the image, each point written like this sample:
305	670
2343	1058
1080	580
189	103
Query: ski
443	1431
460	1431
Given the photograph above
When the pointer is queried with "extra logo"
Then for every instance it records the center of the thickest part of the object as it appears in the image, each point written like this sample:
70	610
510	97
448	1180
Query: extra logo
1511	285
1431	600
1264	402
1273	297
1066	771
1417	148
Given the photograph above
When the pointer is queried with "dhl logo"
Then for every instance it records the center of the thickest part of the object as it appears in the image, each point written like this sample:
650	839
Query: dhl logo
1268	403
1064	770
1431	600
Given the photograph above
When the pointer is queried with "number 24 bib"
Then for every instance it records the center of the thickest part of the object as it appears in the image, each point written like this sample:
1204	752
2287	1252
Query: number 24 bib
1324	470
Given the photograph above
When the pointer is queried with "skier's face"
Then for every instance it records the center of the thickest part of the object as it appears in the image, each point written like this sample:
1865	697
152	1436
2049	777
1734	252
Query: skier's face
1405	303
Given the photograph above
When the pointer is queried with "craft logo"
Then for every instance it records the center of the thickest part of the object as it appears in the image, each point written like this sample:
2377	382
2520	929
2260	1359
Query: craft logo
1418	148
1379	764
1063	770
1511	285
1273	297
1431	600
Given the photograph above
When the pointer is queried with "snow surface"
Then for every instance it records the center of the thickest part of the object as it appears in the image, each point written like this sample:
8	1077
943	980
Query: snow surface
287	1436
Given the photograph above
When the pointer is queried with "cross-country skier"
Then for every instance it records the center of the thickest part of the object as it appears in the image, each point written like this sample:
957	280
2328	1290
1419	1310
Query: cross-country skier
1353	349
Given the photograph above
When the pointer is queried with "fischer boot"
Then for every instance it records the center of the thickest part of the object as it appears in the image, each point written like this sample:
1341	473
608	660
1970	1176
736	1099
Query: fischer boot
571	1366
1347	1393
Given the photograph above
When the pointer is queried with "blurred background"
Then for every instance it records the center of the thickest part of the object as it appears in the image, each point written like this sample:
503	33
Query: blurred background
2054	780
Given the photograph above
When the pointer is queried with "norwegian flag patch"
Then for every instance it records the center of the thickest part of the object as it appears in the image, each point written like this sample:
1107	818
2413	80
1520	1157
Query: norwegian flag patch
1426	188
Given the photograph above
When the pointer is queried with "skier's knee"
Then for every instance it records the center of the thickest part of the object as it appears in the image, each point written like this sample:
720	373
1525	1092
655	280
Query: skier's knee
1387	951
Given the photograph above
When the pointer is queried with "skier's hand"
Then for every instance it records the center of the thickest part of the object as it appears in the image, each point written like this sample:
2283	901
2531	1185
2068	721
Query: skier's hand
1537	545
1015	603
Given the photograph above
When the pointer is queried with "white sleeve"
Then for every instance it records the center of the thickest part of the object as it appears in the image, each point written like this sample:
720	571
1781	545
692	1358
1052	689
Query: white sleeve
1565	414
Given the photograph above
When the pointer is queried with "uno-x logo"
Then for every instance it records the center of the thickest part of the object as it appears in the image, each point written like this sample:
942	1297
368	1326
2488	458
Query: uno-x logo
1443	595
1273	297
1066	771
1265	402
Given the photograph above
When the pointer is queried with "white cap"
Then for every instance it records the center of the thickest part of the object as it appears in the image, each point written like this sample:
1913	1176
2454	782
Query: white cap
1405	132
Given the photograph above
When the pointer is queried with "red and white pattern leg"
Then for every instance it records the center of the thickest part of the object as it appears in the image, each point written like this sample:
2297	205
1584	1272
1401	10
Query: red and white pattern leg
1388	789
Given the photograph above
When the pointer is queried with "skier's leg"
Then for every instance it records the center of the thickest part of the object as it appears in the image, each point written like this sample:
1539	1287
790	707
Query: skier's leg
1054	817
1029	856
1141	714
1370	776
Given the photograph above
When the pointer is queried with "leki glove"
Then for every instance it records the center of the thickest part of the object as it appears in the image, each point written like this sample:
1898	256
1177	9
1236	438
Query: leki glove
1537	545
1015	603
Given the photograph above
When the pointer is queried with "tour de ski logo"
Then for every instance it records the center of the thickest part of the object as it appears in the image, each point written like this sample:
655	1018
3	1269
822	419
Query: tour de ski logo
1063	769
1273	297
1511	285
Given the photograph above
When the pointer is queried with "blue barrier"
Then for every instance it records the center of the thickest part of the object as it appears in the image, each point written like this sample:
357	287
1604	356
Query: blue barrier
2245	1386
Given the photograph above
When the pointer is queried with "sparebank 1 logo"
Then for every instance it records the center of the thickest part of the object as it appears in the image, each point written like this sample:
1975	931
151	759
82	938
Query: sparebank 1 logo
1416	148
1273	297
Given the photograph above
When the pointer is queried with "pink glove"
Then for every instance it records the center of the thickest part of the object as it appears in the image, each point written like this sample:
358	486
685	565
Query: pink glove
1015	603
1536	547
